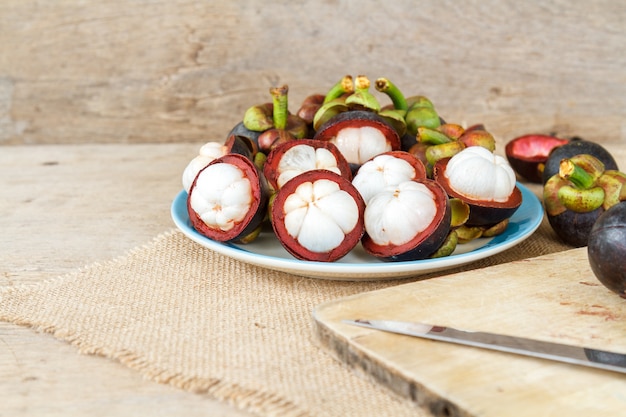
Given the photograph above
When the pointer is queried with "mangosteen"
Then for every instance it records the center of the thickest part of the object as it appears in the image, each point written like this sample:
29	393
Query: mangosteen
576	146
241	130
318	216
406	222
578	194
297	156
360	135
207	153
227	200
607	249
212	150
482	179
274	121
528	154
389	168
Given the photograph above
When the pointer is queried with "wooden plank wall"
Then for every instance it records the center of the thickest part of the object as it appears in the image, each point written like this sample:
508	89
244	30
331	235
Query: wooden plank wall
179	70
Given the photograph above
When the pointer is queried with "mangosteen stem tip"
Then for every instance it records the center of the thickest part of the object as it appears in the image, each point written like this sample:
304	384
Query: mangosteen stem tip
279	98
397	98
572	172
343	86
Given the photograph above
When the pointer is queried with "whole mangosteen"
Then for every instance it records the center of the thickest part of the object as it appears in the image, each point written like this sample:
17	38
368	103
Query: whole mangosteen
607	249
576	146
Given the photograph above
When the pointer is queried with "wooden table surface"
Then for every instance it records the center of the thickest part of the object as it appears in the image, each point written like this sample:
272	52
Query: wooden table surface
66	206
63	207
133	74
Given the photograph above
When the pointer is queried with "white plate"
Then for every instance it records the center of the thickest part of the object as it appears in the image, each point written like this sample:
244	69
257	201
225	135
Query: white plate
266	251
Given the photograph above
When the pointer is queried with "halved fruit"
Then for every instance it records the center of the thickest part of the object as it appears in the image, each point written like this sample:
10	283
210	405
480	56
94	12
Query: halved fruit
408	221
360	135
297	156
389	168
483	180
528	154
228	199
318	216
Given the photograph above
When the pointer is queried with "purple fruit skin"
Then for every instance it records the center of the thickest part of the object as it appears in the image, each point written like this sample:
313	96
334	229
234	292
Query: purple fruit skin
607	249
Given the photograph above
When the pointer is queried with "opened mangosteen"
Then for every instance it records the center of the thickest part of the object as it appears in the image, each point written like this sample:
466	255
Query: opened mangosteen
360	135
482	179
389	168
528	154
406	222
227	200
318	216
206	154
607	249
213	150
297	156
576	146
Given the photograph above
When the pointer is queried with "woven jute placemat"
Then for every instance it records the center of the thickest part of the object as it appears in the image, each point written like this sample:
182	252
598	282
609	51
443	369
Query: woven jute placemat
181	314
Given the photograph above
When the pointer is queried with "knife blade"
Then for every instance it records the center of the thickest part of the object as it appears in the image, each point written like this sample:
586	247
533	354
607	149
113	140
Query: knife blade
571	354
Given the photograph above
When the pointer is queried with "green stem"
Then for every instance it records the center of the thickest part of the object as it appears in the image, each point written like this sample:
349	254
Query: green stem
570	171
343	86
279	98
397	98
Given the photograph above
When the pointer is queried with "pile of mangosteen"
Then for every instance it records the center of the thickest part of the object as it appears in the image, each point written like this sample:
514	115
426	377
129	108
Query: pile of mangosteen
344	170
584	198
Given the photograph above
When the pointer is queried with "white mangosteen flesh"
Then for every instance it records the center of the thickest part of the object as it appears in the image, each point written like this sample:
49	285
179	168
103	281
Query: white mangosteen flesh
360	144
302	158
479	174
222	196
207	153
319	215
380	172
398	213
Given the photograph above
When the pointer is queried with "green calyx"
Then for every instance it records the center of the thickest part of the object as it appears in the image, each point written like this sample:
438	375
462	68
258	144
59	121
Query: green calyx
425	116
444	150
448	246
362	98
613	183
460	212
395	118
431	136
259	118
581	200
329	110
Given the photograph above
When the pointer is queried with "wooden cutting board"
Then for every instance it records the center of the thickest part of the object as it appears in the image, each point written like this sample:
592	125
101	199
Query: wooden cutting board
553	297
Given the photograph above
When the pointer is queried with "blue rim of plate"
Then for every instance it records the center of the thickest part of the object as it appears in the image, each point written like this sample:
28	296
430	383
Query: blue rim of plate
522	225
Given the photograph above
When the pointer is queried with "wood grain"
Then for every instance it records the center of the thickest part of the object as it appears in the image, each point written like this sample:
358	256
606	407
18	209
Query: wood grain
554	297
62	208
182	70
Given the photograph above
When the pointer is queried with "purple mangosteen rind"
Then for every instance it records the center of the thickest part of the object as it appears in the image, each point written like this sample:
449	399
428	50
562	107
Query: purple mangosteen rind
290	243
270	167
528	154
576	147
574	228
257	212
425	243
358	118
607	243
414	161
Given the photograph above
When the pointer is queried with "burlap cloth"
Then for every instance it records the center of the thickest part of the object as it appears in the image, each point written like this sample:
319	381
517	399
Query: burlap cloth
186	316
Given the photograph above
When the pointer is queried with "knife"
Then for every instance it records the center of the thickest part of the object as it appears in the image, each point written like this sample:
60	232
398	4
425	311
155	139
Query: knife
577	355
